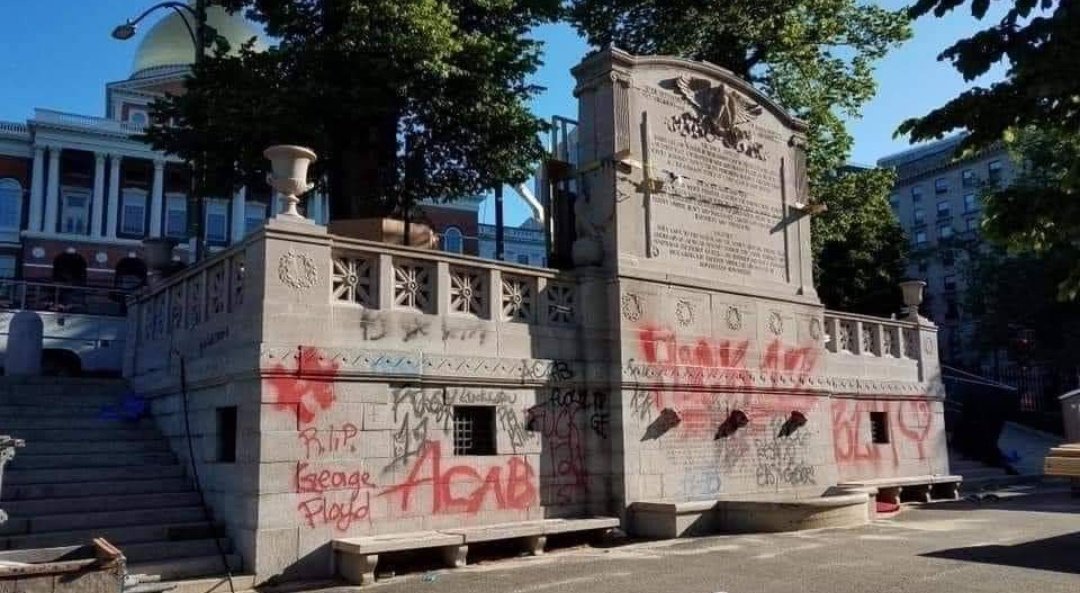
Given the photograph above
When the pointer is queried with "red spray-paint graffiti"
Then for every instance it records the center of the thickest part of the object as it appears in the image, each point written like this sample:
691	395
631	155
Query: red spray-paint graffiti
687	371
908	424
305	397
462	489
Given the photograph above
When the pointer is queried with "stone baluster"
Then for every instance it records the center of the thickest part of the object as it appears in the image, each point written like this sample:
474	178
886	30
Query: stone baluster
441	292
7	452
494	299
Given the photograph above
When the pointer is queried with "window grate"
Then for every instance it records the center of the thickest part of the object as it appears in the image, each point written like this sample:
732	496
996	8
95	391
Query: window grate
879	427
474	430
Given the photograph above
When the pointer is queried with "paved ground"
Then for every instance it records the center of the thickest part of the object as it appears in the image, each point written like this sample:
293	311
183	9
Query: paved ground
1026	544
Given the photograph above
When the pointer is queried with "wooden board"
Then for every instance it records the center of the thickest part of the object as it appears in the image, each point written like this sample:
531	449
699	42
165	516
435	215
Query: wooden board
1063	466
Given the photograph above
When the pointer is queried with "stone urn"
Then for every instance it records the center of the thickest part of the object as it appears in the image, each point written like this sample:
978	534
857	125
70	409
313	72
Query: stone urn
290	169
913	296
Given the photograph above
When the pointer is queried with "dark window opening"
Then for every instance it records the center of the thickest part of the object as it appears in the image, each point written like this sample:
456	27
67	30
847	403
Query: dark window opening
474	430
226	434
879	427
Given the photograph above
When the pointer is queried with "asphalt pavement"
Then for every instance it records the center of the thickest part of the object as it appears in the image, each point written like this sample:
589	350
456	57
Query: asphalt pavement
1027	543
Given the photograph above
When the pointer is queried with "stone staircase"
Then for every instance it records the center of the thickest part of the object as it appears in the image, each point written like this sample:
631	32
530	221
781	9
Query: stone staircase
81	476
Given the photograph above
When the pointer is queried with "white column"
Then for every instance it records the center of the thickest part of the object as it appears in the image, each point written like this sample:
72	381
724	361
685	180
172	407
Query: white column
114	195
37	189
315	212
238	215
52	195
96	209
156	198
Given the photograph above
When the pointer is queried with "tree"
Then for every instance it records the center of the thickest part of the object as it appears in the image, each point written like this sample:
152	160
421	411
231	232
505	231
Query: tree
403	100
1034	111
814	58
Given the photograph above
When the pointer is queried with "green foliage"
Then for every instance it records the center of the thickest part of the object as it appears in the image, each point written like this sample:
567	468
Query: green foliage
859	248
403	100
1040	40
815	58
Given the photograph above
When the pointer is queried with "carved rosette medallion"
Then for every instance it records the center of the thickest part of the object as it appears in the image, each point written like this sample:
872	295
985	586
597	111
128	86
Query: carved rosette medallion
296	270
928	345
631	307
733	317
776	323
684	313
815	329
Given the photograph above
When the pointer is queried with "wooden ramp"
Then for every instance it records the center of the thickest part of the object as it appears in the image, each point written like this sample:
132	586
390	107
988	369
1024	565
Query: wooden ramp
1064	461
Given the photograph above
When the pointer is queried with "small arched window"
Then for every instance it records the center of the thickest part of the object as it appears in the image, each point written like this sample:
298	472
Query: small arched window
452	240
10	204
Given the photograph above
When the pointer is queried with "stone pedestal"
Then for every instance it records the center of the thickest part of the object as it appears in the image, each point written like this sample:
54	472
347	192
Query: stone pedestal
386	230
24	345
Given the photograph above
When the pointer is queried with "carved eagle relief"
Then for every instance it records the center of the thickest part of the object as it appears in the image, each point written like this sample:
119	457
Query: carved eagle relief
723	111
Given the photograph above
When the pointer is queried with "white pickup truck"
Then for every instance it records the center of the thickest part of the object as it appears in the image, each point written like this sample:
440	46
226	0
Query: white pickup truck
84	328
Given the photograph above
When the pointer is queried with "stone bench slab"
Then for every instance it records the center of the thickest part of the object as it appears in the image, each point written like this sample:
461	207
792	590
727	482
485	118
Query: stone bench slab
397	542
902	481
556	526
489	533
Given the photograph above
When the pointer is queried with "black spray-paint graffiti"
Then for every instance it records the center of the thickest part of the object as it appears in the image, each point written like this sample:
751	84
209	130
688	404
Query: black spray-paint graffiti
416	411
781	460
561	422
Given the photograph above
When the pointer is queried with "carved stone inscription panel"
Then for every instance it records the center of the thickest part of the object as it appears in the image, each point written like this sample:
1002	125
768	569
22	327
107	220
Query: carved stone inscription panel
721	161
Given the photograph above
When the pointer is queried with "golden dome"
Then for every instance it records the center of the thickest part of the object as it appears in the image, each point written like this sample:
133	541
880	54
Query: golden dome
167	43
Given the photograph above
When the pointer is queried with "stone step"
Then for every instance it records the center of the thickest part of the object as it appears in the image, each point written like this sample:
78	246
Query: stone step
116	518
97	504
241	583
34	449
81	387
85	474
16	492
119	433
28	422
77	398
181	568
78	411
34	462
164	550
129	534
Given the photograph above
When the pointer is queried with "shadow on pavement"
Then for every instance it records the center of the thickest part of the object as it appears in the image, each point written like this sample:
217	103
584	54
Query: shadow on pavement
1033	500
1056	554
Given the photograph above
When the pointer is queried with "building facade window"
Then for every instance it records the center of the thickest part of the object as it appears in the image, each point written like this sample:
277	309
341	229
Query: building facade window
254	216
993	169
10	204
941	185
949	282
217	221
523	259
894	201
945	231
75	213
948	258
7	266
452	240
176	216
920	238
918	215
967	178
133	212
970	203
138	117
474	430
916	193
952	310
973	224
943	209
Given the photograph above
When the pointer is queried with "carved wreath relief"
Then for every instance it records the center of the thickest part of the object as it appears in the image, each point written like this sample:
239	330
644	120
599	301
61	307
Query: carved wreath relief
297	271
720	114
631	307
776	323
684	313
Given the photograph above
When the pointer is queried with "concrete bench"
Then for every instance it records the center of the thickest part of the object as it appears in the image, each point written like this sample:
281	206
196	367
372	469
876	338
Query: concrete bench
758	514
358	557
922	488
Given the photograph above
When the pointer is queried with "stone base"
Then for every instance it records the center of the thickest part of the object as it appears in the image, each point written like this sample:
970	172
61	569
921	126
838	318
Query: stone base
670	520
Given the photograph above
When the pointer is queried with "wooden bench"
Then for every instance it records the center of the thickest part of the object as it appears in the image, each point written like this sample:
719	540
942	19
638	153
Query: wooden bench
921	488
358	557
1063	461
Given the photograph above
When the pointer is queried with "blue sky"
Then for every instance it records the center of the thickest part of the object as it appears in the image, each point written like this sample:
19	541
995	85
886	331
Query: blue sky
58	54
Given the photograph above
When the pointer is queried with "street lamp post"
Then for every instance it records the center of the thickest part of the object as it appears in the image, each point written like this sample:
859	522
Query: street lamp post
198	38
